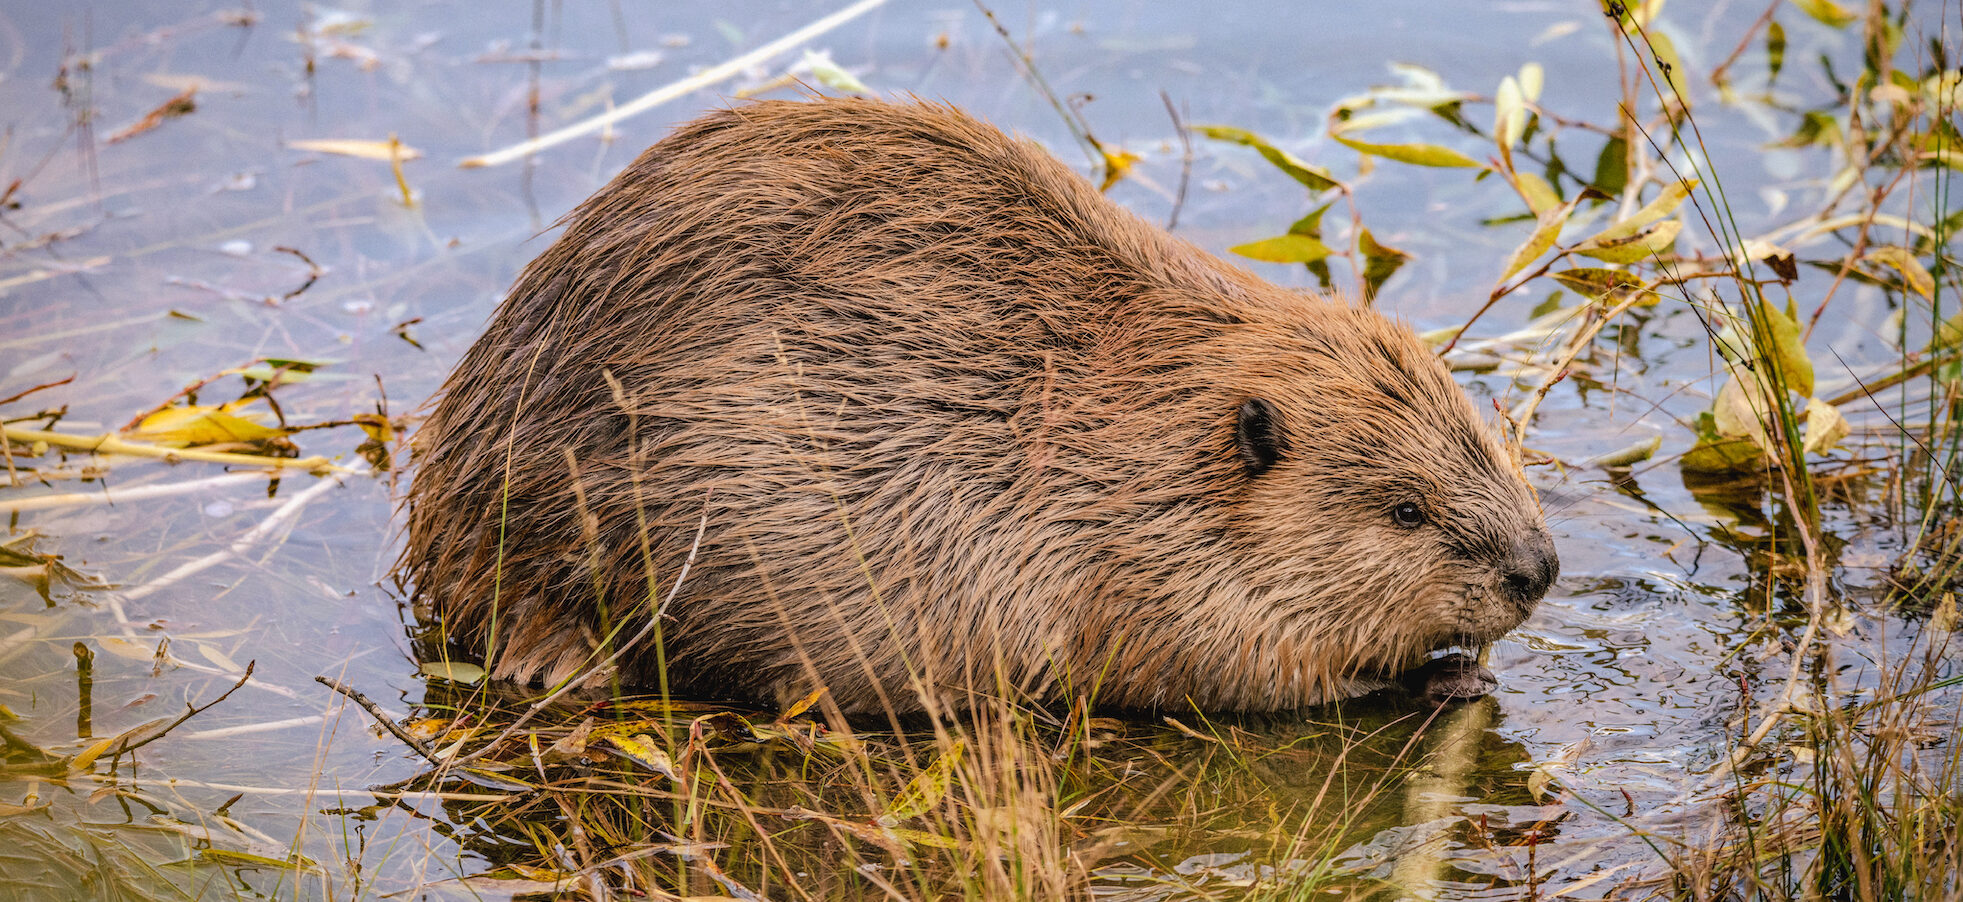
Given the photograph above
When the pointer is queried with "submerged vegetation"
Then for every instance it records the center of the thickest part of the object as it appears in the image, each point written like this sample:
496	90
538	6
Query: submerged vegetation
1804	359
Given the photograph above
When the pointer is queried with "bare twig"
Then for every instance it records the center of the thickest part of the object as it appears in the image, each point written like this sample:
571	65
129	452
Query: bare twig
19	395
1185	161
190	711
381	718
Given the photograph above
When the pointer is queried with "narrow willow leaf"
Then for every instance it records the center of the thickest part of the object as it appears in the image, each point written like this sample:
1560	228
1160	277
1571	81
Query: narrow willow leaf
1634	248
1825	427
926	789
1827	12
1775	50
1532	76
1672	66
1380	262
832	75
804	704
1539	195
1547	228
1415	154
1914	274
1612	167
1289	248
1665	203
1509	118
1598	283
1314	177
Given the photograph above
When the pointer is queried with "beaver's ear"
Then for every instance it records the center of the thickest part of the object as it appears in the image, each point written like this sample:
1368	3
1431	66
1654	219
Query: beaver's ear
1259	436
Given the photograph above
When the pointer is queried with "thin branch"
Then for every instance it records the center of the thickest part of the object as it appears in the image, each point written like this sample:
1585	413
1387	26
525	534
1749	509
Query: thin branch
189	712
382	719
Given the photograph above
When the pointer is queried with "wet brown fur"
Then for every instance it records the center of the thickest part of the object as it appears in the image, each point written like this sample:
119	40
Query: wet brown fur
956	421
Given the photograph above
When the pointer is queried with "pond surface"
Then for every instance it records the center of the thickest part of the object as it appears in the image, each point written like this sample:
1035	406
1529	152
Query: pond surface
142	265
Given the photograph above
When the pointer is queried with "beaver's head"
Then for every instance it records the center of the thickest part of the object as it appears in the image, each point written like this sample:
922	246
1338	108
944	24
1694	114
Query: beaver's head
1382	518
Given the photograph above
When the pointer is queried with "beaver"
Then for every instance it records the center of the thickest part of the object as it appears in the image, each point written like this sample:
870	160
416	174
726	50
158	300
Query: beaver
926	415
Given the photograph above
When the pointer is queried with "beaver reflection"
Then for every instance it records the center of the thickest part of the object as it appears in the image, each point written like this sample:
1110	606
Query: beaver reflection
930	416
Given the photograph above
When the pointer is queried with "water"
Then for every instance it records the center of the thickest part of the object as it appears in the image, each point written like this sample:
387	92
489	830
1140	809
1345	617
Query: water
133	269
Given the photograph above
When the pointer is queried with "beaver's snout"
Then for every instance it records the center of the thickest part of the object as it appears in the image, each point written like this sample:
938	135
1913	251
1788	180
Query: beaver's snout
1529	568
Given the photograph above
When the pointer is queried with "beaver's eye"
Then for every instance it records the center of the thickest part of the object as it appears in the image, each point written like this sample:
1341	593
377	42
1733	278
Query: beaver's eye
1408	515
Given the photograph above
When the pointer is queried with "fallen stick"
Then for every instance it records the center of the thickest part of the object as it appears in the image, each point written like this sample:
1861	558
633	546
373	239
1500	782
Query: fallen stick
658	96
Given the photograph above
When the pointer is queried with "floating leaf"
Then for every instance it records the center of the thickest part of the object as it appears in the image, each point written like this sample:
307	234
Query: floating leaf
1633	248
1289	248
1827	12
1631	455
1314	177
1914	274
831	74
804	704
1547	228
367	150
454	671
1741	408
201	424
1599	284
642	750
1825	427
926	789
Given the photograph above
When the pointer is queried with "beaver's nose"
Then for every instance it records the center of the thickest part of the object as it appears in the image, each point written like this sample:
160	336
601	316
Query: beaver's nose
1530	567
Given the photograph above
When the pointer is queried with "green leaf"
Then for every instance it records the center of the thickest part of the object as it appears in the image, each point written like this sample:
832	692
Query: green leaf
1723	455
1631	455
1414	154
832	75
1633	248
1775	50
1827	12
1314	177
1547	305
1782	345
1380	261
1612	167
1290	248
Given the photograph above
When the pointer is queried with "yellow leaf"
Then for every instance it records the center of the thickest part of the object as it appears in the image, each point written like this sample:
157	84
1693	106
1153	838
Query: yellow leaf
1914	274
1825	427
1116	165
641	749
1827	12
832	75
1547	228
1313	177
1599	284
926	789
1538	194
367	150
1531	78
201	424
1633	248
804	704
1665	203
